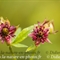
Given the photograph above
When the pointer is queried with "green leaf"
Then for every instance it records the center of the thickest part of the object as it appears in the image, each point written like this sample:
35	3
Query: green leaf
30	48
23	34
19	45
16	34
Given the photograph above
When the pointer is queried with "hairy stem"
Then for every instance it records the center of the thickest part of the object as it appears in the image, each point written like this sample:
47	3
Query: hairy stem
10	48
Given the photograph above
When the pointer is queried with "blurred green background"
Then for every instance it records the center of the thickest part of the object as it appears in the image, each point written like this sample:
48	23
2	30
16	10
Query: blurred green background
28	12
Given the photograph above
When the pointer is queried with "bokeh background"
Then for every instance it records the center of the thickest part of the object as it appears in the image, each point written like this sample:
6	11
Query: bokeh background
28	12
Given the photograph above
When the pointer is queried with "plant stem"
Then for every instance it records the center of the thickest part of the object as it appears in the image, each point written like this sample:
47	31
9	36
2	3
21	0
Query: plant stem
34	53
11	52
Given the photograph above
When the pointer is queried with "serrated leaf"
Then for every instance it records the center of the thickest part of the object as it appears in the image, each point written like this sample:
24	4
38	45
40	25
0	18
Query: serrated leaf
30	48
19	45
23	34
16	34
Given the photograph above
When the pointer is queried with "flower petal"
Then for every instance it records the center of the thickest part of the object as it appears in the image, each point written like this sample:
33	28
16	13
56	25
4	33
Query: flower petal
45	22
37	42
2	41
1	20
47	40
12	29
7	23
8	39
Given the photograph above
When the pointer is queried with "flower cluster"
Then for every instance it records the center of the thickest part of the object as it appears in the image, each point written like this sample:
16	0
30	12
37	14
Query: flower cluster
6	30
41	31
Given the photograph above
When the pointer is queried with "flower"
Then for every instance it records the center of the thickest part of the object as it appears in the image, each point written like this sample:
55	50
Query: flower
40	32
6	31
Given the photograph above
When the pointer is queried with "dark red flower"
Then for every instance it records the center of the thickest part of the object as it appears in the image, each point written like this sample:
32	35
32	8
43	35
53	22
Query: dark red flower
6	30
40	33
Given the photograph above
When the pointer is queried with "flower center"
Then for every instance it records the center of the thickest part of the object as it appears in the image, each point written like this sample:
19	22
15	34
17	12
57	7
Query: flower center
40	34
5	31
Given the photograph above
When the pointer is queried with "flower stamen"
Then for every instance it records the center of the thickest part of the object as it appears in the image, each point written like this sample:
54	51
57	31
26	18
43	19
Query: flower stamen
40	34
5	31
